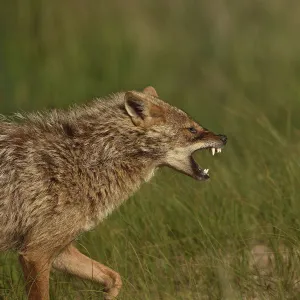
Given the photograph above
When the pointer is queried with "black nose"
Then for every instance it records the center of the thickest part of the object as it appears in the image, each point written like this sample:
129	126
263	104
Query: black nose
223	138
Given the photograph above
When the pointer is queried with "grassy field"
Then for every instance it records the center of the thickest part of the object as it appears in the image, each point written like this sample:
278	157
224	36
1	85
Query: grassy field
235	67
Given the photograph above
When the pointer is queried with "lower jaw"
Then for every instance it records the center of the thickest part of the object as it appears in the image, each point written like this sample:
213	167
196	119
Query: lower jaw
198	173
202	177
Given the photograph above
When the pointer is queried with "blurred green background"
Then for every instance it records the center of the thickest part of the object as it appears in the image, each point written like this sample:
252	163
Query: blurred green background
235	67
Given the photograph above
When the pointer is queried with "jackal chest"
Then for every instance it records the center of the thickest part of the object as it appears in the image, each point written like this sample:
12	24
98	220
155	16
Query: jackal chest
104	197
104	203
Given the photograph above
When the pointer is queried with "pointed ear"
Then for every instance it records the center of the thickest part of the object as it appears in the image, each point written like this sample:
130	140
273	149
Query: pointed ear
142	112
150	90
136	106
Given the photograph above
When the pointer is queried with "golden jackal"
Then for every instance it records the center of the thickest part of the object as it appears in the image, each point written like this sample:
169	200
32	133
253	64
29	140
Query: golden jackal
63	172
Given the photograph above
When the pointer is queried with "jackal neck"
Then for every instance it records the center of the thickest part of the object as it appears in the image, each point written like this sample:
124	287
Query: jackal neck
114	158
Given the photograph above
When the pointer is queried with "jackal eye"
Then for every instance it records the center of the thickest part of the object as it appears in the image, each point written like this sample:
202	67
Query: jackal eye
192	130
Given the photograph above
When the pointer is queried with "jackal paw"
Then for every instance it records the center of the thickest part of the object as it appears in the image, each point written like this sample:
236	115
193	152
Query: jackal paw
113	290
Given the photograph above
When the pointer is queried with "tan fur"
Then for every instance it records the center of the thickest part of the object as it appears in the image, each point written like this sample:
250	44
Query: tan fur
63	172
150	91
74	262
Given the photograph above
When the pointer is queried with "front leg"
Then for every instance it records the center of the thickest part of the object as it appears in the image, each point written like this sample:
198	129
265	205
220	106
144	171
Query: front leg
74	262
36	271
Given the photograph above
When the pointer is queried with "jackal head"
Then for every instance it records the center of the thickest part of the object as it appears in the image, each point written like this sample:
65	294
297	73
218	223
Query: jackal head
172	132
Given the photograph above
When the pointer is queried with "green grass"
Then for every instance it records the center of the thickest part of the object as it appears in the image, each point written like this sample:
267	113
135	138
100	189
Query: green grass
235	67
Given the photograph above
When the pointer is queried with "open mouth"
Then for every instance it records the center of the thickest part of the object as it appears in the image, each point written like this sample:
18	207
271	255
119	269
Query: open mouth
199	173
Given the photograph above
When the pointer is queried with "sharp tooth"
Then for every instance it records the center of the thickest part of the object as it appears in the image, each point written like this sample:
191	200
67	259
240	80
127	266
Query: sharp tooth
213	150
219	150
205	171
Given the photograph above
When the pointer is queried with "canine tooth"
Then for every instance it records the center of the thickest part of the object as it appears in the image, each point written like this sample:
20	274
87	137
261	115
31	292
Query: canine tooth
219	150
205	171
213	150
